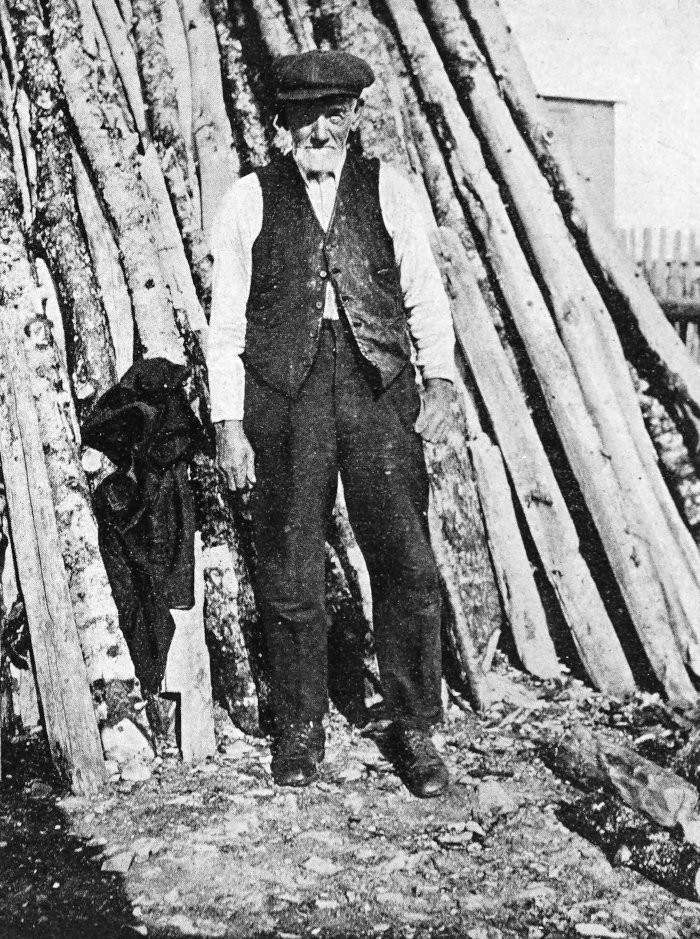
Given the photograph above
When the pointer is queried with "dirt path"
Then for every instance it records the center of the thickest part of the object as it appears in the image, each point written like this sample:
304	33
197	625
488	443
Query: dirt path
217	850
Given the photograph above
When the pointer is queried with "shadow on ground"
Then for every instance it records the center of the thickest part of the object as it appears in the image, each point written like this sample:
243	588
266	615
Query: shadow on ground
50	888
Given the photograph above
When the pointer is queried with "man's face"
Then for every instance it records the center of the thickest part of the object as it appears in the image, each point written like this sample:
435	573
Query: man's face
320	130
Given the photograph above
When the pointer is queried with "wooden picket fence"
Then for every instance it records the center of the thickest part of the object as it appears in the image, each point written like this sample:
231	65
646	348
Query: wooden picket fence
670	262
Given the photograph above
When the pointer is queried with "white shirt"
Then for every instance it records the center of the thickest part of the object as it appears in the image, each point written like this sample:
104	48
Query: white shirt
238	224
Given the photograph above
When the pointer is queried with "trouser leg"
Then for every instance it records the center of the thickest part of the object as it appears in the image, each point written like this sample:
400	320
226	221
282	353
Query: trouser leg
294	443
386	487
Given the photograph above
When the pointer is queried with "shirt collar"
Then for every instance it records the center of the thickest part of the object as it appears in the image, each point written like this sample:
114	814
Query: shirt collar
335	172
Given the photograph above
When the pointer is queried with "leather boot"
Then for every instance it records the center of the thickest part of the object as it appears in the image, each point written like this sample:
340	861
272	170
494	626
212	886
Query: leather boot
418	762
297	753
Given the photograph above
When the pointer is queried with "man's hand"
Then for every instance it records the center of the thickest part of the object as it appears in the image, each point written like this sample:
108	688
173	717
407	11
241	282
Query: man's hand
435	417
234	454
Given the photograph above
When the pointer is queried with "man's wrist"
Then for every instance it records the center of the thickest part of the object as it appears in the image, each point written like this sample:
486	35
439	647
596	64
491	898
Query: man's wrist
231	426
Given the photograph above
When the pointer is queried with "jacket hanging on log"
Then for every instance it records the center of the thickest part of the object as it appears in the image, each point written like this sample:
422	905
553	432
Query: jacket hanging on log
145	509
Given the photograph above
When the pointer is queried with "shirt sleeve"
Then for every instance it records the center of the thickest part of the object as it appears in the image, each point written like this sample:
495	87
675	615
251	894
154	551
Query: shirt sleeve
427	304
235	229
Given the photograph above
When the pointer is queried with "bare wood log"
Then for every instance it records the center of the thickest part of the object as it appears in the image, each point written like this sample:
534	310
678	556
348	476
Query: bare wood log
68	712
107	267
115	162
681	373
179	58
57	226
631	841
686	762
124	58
166	130
216	156
243	102
597	761
8	94
540	499
586	330
522	605
614	507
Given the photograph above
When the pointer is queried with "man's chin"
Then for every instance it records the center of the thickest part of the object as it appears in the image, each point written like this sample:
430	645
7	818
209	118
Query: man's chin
318	161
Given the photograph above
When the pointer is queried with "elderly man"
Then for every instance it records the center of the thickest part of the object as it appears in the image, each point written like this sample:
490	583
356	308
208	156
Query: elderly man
322	276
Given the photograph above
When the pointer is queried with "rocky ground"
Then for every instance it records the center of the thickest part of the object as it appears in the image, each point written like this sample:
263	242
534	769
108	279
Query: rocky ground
218	850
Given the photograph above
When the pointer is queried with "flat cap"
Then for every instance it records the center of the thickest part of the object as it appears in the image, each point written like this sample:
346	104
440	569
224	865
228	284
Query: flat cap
318	74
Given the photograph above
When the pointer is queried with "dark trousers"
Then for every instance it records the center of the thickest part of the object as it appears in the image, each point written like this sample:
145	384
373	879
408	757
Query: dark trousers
339	424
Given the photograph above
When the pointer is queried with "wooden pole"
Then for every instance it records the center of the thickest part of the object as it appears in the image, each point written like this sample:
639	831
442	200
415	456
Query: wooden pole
681	374
69	717
540	499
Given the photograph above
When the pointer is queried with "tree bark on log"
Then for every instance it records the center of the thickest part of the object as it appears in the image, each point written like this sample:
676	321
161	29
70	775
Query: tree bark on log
632	841
218	162
540	499
166	130
586	330
57	227
243	104
614	509
681	373
521	601
68	711
597	761
115	163
124	59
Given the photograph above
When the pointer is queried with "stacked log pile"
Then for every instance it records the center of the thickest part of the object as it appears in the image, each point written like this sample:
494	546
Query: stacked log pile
564	504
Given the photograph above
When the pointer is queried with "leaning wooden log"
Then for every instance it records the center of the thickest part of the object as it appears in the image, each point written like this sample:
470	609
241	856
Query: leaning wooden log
681	373
686	761
217	159
124	58
69	717
57	228
614	507
534	483
586	330
230	616
678	466
166	130
114	160
473	613
275	32
107	267
521	601
243	104
598	761
629	840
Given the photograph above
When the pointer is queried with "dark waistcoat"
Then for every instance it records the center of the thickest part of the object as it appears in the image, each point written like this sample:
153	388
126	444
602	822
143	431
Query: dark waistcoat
293	258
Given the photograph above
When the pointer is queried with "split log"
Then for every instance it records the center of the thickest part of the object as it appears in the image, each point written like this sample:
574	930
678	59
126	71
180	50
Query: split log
69	717
166	131
608	259
521	601
299	15
586	330
243	104
614	507
217	159
687	760
115	163
534	483
57	227
107	267
598	761
631	841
